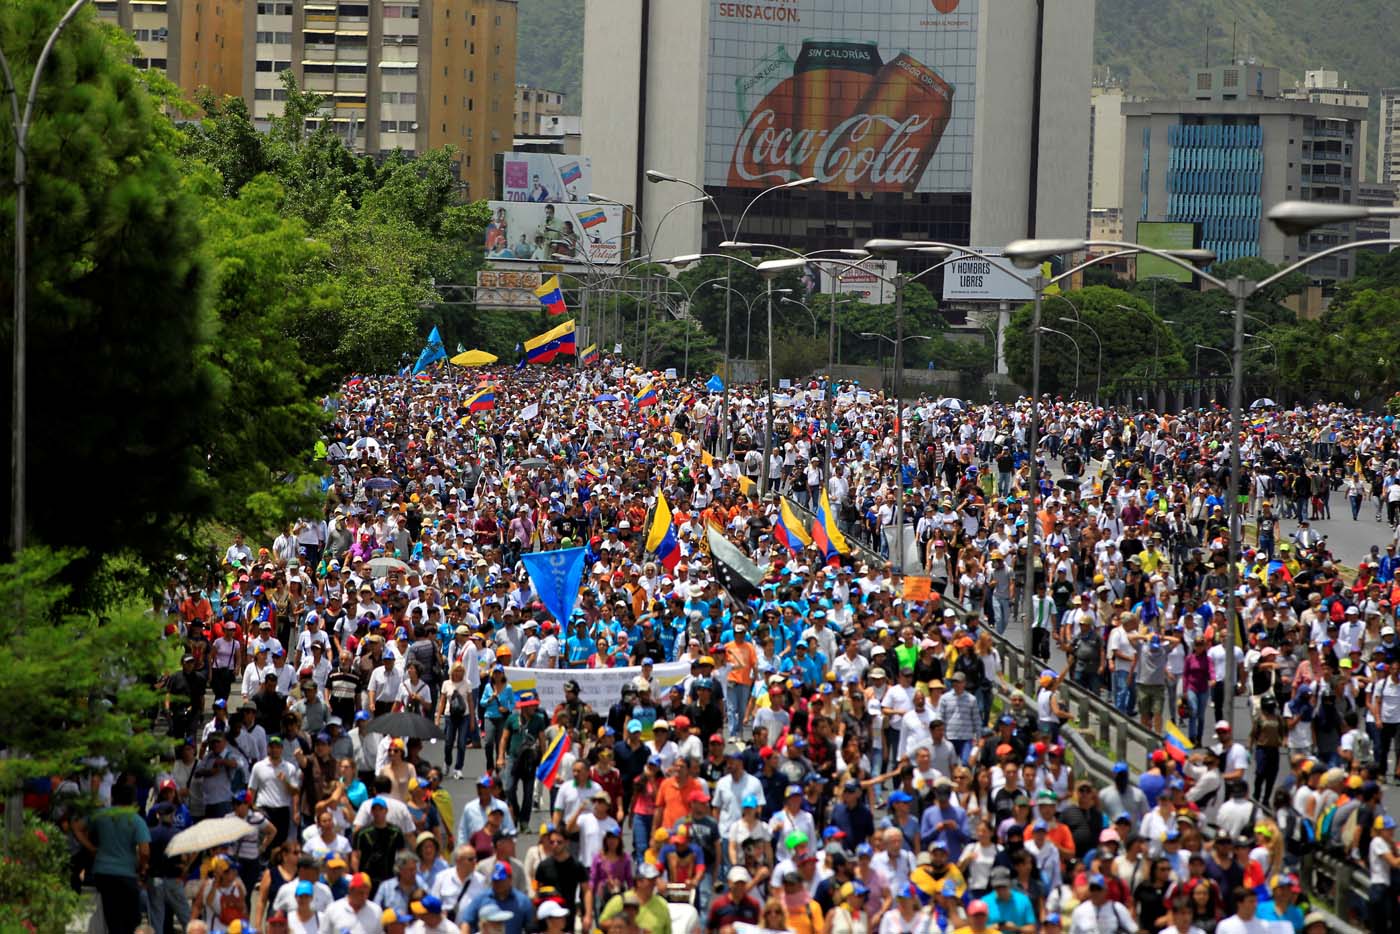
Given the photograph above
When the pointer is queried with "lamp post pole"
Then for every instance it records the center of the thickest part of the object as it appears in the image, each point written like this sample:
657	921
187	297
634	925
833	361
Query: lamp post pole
22	121
763	475
898	548
1240	287
1038	285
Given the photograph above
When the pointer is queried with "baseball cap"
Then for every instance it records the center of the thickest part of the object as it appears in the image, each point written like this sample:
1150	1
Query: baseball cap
500	872
552	909
360	880
304	888
739	874
648	871
977	907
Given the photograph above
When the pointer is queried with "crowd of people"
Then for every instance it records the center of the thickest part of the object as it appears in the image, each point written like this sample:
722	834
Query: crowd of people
834	758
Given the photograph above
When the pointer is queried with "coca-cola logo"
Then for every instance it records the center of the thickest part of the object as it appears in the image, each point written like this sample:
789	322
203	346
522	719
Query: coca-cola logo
766	150
945	6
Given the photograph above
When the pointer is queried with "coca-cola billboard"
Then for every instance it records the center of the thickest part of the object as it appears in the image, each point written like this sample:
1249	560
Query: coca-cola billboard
875	96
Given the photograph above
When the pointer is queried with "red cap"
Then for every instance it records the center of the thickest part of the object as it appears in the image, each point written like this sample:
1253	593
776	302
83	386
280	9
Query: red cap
360	880
1159	755
716	738
698	795
681	723
765	752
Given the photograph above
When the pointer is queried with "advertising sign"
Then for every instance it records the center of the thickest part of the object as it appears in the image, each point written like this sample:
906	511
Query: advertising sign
876	96
973	279
871	283
507	289
598	687
543	176
1161	235
549	232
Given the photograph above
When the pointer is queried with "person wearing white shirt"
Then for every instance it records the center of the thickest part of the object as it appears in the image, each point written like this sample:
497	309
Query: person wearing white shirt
1098	915
355	912
276	784
287	895
397	812
731	790
1243	921
575	794
474	814
915	731
593	824
462	883
256	670
384	685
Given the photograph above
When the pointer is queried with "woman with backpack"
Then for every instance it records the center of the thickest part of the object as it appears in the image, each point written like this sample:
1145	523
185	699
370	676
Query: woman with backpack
452	712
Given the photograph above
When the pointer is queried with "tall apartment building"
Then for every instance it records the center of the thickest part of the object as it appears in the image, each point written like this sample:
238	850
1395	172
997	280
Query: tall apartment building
531	104
1231	149
404	75
1388	137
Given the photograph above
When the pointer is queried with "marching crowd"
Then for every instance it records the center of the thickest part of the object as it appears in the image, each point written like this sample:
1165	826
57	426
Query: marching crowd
838	752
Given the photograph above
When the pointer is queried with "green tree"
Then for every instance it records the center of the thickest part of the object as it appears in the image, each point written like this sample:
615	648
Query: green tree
1136	343
121	391
225	140
73	684
266	297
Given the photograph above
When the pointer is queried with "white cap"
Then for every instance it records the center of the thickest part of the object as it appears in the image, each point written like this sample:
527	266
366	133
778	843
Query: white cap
552	909
1387	630
739	874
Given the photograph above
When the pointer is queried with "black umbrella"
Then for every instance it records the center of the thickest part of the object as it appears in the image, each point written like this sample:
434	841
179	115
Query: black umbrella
534	462
380	483
408	725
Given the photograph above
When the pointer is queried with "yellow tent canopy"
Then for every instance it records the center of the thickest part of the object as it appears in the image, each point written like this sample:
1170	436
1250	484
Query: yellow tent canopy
474	358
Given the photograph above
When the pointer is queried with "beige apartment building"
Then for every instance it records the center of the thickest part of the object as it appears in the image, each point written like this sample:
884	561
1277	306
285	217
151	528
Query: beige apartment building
531	104
404	75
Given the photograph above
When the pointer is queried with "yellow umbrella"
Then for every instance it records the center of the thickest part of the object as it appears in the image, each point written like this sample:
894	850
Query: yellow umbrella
474	358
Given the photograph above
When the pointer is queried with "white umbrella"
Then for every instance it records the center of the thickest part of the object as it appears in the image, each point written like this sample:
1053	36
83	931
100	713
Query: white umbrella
208	834
1263	403
952	405
380	567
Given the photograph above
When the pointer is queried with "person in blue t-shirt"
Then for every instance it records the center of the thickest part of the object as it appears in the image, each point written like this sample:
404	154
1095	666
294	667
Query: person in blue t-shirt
1283	906
1006	907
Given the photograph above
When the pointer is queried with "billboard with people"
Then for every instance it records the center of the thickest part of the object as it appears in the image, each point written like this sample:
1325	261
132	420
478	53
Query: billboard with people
565	232
875	96
543	176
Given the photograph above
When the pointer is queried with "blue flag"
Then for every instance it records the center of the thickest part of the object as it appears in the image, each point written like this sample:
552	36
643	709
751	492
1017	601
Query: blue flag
556	576
432	352
715	384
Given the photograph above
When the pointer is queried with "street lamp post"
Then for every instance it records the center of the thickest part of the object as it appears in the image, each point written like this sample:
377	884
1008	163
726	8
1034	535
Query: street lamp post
1098	373
1293	218
22	121
655	177
1071	339
804	307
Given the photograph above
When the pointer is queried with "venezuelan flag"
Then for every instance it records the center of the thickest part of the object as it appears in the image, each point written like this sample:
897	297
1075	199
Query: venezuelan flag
548	771
825	533
551	297
570	173
591	218
661	537
1177	744
545	347
646	397
589	355
788	529
483	400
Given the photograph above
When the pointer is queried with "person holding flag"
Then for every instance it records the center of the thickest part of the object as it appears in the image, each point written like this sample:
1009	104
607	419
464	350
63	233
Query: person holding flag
661	537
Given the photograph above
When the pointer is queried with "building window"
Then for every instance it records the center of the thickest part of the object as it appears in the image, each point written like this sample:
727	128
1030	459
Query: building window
262	94
407	126
1203	81
263	65
388	126
471	105
408	97
274	9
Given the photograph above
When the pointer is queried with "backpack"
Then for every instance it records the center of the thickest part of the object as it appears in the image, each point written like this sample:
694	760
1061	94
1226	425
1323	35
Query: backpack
1325	821
456	704
1300	835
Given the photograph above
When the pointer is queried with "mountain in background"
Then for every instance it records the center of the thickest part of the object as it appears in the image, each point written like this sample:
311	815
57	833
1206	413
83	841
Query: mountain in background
1150	44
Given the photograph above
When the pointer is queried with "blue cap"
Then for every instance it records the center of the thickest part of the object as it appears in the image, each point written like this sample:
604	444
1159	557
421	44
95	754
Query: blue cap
792	790
648	661
378	802
950	889
500	872
1096	880
1040	825
1120	768
485	781
900	797
220	703
859	888
304	888
431	904
361	715
750	801
865	849
938	845
1052	918
1173	834
656	761
634	726
1007	720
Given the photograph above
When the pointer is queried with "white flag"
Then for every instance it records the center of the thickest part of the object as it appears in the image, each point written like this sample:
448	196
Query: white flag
530	411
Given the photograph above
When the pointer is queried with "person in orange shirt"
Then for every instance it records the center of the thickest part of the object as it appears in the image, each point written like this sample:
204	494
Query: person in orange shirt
673	796
1057	833
742	659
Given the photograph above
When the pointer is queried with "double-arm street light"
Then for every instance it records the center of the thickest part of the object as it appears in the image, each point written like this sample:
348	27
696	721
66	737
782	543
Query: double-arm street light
656	177
1079	320
1293	218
